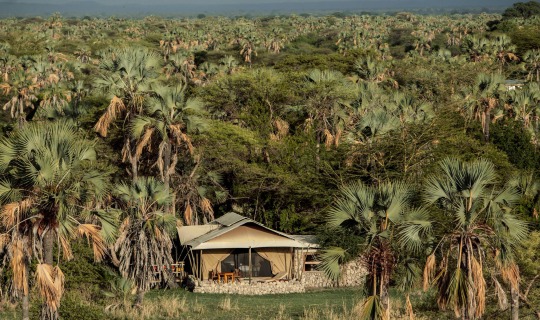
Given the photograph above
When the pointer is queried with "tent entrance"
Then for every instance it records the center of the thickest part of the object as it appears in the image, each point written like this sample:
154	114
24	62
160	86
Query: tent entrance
239	260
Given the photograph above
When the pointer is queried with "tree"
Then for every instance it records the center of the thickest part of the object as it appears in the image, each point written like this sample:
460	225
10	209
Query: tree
480	225
21	92
173	118
523	10
127	75
144	245
391	231
482	98
48	192
531	60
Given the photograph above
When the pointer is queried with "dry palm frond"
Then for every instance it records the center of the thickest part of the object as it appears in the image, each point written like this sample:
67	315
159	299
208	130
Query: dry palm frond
59	280
282	128
92	233
143	142
510	274
479	284
409	308
187	140
50	283
429	271
206	207
337	138
159	162
53	78
11	212
4	241
172	166
19	265
502	299
187	214
66	248
328	138
126	151
116	106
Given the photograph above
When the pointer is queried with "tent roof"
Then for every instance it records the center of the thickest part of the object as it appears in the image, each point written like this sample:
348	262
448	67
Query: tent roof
221	233
308	240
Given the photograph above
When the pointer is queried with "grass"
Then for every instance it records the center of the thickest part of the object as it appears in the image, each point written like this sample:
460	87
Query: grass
327	304
279	306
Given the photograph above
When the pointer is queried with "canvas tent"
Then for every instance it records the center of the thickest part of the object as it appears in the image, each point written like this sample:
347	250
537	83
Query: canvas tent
234	242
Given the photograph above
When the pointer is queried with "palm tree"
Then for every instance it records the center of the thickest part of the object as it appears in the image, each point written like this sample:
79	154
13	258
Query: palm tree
328	93
21	93
482	98
172	118
480	225
48	192
391	231
127	75
503	50
144	245
529	188
531	61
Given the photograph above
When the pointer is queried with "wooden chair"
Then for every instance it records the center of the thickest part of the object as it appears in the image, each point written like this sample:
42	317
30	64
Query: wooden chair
213	275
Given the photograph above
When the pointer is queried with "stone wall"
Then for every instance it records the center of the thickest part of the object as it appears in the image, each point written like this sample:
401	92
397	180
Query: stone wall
353	275
255	288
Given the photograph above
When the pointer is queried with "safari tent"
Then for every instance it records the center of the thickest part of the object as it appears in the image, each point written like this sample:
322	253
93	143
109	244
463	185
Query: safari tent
234	243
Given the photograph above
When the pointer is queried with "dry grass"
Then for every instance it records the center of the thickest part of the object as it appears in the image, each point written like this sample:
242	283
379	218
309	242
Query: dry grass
226	304
162	307
281	315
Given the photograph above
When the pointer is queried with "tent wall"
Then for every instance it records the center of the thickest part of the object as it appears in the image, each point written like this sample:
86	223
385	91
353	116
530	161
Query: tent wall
280	259
211	260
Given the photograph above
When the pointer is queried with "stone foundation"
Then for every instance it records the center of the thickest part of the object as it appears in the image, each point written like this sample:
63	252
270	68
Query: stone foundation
255	288
353	275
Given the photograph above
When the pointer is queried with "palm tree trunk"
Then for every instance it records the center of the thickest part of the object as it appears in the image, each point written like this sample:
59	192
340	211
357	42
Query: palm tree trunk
514	292
134	169
25	307
48	257
166	173
385	296
48	246
487	120
25	297
140	297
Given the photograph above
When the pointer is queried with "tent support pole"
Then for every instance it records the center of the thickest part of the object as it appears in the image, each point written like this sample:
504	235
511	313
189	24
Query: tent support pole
200	265
250	267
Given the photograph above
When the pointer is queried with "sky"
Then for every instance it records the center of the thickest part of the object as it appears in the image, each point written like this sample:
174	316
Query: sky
423	3
133	7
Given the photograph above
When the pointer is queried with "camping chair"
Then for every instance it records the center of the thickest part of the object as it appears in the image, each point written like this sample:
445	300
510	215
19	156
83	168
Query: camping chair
280	276
213	275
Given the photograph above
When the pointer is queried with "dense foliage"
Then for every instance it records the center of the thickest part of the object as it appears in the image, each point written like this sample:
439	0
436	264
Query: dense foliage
118	129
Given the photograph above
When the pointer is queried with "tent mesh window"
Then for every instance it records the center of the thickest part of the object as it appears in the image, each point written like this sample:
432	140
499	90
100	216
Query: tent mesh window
238	261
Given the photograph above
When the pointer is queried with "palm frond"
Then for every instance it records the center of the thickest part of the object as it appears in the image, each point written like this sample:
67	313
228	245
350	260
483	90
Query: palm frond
331	259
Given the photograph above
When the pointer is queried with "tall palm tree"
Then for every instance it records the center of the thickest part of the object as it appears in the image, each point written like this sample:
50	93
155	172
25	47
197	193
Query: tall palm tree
480	226
144	244
48	192
328	92
172	118
127	75
531	61
503	50
391	231
21	92
482	98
